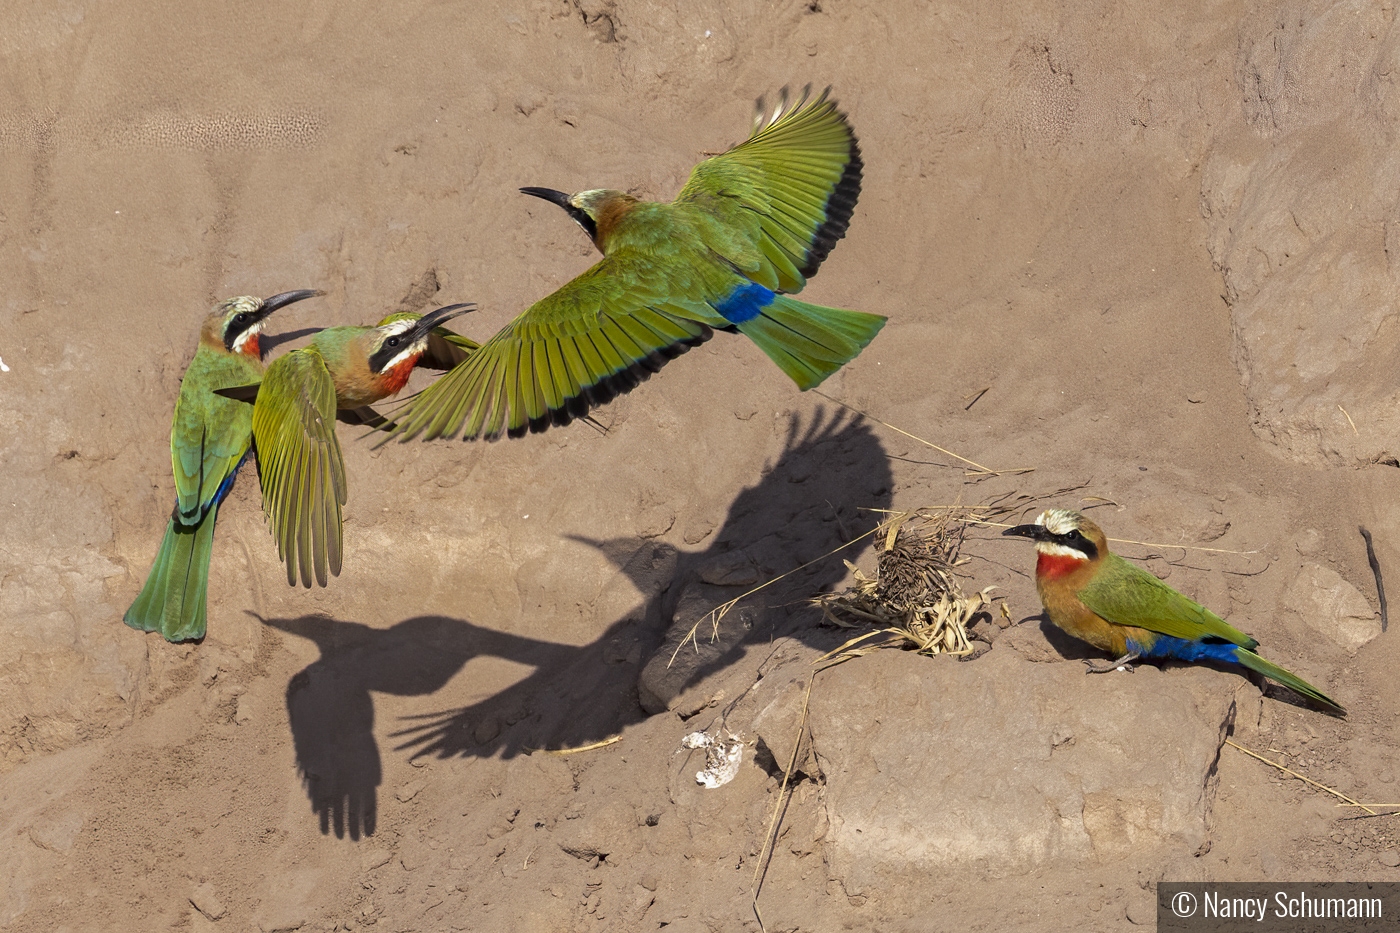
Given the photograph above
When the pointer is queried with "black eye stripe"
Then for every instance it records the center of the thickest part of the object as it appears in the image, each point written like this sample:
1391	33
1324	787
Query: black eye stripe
581	217
390	348
1076	540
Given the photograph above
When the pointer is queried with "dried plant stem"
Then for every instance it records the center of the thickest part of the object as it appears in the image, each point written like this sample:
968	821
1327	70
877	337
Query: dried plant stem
980	469
610	740
1182	547
770	838
1307	780
722	610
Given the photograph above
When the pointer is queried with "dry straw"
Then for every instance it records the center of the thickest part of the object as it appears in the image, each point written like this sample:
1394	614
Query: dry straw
914	597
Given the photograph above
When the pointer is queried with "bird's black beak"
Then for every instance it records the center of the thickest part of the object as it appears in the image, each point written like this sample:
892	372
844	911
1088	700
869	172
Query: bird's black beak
1034	532
550	195
270	305
439	316
580	216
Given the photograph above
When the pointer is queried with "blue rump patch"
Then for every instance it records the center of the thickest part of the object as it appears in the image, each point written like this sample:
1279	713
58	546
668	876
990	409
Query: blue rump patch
744	303
1167	648
227	484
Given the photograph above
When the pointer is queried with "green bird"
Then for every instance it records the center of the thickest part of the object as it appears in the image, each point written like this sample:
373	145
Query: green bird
338	375
748	229
209	440
1100	598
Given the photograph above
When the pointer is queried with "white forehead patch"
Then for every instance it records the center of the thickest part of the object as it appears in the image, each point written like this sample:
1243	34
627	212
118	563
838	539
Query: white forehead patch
1058	521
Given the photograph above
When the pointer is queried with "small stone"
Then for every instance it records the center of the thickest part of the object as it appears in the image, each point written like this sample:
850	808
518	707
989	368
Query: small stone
649	882
697	532
280	925
486	730
410	790
732	569
1142	910
206	902
244	711
374	856
1390	858
1332	606
56	834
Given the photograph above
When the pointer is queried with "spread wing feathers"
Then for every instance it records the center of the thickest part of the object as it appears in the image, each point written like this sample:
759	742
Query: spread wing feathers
445	348
1129	595
597	337
799	174
208	439
299	464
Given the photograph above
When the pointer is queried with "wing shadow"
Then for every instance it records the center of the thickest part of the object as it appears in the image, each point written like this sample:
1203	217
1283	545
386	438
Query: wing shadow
833	472
331	710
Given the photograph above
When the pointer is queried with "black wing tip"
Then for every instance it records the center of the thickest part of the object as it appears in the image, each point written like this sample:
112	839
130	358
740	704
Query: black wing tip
600	393
840	205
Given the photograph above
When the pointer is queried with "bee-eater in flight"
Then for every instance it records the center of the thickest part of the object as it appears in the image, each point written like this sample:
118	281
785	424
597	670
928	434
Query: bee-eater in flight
1122	609
750	227
208	443
341	372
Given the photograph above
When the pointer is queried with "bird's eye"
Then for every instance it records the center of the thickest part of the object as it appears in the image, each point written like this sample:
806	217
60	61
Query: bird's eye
240	318
392	341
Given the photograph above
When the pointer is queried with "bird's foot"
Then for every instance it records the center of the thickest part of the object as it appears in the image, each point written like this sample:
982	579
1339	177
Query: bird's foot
1125	663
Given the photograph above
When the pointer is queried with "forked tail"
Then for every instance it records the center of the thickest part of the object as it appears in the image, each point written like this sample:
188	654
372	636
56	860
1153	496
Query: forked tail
173	600
1292	681
809	342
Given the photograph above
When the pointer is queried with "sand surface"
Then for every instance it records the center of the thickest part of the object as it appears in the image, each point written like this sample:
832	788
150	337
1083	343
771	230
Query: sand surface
1149	254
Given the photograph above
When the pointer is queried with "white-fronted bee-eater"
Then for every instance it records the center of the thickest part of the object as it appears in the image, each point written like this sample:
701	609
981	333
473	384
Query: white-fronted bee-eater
748	230
1117	607
341	372
209	440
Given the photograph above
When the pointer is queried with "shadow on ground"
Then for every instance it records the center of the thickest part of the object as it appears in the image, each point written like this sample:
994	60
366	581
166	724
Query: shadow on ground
816	496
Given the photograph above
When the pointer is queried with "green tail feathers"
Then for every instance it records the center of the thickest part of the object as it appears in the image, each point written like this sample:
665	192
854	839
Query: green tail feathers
173	600
1292	681
810	342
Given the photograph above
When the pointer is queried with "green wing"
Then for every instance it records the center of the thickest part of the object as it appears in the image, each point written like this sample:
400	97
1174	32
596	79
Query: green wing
595	338
299	464
210	434
1129	595
445	348
780	200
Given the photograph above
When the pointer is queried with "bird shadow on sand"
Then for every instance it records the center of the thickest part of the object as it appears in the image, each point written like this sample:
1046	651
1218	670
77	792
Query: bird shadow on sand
331	708
817	494
271	342
822	490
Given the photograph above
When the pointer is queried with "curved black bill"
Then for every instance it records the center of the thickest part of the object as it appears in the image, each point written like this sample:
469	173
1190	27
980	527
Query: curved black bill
550	195
1034	532
270	305
441	315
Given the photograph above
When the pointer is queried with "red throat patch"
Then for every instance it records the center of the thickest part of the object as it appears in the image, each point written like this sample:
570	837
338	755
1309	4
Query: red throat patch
1054	566
252	348
396	377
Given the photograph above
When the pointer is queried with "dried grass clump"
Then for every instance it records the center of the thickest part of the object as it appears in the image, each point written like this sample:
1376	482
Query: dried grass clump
914	596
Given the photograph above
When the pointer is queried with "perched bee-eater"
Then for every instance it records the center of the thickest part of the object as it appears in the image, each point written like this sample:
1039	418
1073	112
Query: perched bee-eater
1117	607
749	228
208	443
341	373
